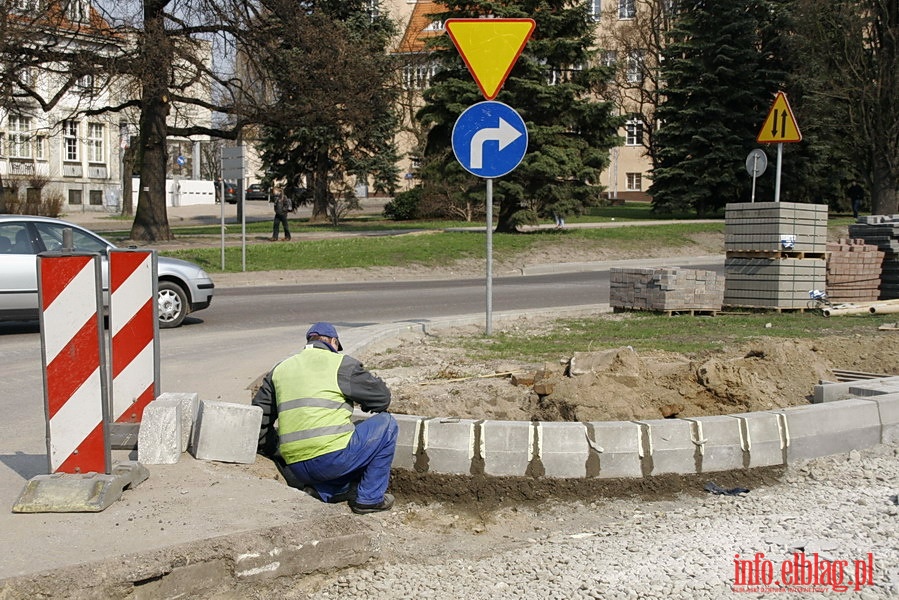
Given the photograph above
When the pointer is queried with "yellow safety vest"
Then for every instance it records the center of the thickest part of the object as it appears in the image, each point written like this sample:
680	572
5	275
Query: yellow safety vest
313	416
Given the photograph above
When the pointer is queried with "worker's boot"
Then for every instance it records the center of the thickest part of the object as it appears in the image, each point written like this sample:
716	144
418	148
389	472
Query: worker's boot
364	509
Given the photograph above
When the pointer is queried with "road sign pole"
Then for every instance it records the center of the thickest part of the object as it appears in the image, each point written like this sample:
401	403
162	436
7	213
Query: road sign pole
222	209
489	327
780	154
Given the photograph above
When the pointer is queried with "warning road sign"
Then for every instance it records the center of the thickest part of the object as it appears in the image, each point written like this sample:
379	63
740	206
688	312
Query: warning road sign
490	48
780	125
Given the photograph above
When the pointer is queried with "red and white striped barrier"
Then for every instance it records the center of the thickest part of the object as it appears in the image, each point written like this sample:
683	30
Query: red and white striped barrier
134	333
72	343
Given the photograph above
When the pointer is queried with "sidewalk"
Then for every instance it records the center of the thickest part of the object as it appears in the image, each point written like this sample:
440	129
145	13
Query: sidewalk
201	214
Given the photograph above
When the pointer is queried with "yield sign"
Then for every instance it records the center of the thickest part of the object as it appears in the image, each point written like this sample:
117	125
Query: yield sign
780	125
490	48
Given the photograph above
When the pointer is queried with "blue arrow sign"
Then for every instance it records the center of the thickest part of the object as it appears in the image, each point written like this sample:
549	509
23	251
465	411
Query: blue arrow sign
489	139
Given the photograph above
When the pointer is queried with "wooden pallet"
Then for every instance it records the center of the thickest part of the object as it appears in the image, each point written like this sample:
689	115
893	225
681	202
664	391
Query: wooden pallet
693	312
775	255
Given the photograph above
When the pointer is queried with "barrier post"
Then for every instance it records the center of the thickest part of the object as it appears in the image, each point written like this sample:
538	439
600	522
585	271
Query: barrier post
133	332
74	362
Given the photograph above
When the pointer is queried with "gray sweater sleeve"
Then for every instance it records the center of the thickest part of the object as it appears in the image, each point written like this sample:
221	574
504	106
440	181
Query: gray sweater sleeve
361	387
268	433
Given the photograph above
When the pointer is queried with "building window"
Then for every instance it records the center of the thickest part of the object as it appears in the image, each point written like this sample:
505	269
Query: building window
594	7
434	26
70	141
633	131
635	66
608	58
95	197
95	143
40	147
74	196
634	182
19	140
85	84
627	9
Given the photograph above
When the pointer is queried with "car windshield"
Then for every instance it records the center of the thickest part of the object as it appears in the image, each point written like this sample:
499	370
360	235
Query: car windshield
51	235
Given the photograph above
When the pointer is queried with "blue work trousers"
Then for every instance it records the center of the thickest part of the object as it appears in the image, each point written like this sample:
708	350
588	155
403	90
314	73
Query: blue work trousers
366	461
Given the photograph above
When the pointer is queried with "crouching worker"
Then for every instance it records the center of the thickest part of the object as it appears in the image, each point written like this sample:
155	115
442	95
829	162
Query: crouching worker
311	394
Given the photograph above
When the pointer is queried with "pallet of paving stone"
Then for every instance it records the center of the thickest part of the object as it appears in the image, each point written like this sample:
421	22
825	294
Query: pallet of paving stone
665	288
853	271
883	232
775	227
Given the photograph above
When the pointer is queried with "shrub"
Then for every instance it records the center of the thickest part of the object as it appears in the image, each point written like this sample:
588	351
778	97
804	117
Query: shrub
404	206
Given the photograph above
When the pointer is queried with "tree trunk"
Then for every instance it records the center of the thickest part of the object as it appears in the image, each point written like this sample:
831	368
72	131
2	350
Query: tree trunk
150	221
884	193
505	222
320	190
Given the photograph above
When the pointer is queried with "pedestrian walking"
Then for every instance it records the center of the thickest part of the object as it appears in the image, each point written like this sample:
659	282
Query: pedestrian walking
283	206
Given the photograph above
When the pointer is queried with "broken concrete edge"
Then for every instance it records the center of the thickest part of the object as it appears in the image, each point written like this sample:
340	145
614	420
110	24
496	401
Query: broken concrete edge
296	548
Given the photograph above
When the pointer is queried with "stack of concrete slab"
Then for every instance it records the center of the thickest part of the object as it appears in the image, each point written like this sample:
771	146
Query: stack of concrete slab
775	227
772	282
775	254
883	232
666	289
853	271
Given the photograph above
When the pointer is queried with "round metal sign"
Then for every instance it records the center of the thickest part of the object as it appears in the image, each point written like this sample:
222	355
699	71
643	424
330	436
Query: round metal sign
756	162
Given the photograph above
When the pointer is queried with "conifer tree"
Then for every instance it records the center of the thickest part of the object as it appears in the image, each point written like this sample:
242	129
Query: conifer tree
719	80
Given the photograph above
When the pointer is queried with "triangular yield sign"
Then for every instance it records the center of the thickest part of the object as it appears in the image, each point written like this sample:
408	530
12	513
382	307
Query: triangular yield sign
780	124
490	48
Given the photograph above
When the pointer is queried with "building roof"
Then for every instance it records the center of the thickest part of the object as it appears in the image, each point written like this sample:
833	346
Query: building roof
422	25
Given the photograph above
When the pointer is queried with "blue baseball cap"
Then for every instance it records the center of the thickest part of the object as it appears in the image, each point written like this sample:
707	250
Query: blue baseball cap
325	329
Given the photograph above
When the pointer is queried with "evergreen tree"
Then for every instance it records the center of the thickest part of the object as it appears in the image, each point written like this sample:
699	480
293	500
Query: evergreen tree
554	86
334	117
720	79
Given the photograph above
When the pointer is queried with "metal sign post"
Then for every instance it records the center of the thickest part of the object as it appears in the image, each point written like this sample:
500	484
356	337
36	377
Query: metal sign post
489	140
233	168
756	163
780	127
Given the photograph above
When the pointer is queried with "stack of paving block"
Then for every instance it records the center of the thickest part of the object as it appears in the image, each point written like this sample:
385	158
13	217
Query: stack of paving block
666	289
883	232
853	271
775	253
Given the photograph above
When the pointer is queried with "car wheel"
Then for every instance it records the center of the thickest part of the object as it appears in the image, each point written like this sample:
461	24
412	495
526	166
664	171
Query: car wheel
172	305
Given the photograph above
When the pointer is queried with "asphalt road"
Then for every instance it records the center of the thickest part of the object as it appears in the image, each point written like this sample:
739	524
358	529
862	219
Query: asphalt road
220	352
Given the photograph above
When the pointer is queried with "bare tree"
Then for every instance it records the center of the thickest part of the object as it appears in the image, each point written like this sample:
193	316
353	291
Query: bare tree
156	63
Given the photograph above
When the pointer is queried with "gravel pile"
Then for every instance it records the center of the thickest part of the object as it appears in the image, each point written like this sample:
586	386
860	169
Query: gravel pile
839	508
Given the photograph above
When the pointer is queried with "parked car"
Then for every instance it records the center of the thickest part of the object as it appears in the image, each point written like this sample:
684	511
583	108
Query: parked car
230	192
257	191
183	287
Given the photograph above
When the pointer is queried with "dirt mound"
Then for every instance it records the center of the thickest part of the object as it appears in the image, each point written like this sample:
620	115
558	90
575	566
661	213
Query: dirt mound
434	378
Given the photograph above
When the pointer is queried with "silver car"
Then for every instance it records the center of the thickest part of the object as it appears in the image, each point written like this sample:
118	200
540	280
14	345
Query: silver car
183	286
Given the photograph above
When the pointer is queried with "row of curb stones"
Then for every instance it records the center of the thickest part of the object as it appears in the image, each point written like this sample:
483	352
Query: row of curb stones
630	449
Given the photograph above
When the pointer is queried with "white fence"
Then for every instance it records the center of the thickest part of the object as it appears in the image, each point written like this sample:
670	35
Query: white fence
183	192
